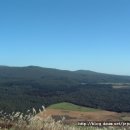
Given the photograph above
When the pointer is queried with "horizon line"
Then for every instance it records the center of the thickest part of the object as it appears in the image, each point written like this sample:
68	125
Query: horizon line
19	66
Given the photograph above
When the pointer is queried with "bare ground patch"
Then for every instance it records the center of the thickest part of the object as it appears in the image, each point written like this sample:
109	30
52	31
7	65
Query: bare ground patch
72	117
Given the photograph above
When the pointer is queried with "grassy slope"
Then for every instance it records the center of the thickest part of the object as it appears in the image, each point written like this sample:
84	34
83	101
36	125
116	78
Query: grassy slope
72	107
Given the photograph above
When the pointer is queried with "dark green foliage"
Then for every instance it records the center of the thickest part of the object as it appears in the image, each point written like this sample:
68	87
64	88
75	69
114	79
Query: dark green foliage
27	87
55	76
102	97
20	97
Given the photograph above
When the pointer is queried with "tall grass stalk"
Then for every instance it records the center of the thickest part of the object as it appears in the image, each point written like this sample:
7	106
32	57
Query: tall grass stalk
30	121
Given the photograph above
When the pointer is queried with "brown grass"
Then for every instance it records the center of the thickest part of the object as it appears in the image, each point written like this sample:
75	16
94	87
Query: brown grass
72	117
44	121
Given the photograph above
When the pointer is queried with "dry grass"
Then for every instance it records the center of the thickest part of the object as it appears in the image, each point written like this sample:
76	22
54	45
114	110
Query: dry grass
30	121
72	117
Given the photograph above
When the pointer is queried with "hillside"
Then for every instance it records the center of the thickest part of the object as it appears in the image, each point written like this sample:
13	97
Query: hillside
43	74
23	88
72	107
75	113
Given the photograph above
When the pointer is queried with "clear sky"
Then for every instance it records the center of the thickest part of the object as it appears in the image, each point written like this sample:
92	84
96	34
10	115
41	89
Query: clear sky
66	34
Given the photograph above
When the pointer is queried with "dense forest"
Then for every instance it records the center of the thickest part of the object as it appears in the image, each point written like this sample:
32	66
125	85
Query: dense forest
25	88
20	96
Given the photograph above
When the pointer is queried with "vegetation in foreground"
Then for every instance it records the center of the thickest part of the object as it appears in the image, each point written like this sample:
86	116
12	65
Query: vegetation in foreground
30	121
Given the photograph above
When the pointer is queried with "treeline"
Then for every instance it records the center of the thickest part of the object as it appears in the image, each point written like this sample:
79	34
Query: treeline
22	95
102	97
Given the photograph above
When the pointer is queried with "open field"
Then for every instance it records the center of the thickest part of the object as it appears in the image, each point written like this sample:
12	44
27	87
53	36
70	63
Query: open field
72	107
74	113
72	117
61	119
18	121
121	85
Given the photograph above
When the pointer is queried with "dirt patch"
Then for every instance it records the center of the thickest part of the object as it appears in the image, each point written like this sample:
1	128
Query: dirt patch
75	116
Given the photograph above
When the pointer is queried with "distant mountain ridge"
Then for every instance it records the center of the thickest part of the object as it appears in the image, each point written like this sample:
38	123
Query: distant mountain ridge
22	88
40	73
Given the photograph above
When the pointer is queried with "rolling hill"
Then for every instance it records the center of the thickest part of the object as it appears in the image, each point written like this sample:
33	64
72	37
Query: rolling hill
72	113
71	107
22	88
43	74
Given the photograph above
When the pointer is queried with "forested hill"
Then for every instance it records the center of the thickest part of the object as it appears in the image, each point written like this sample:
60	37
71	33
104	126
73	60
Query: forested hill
45	75
22	88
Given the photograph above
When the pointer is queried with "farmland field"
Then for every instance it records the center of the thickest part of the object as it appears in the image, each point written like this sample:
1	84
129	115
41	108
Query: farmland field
74	113
72	107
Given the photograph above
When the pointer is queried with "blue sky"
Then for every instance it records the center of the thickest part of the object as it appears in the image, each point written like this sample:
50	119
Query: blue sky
66	34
